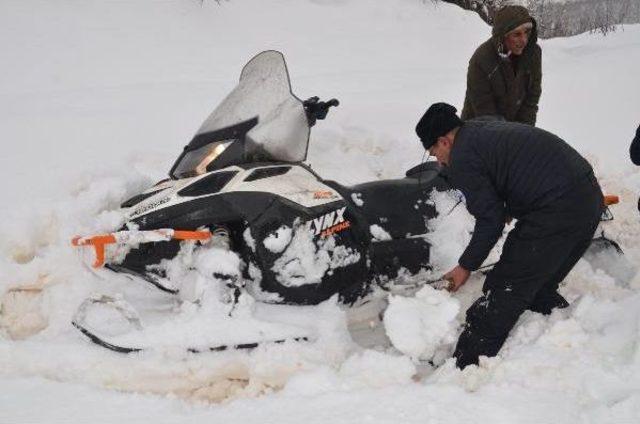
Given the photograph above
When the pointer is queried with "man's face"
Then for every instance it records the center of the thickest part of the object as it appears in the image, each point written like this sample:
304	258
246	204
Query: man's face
441	150
516	40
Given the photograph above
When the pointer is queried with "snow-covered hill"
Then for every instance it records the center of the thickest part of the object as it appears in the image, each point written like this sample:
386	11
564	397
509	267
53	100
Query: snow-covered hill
98	97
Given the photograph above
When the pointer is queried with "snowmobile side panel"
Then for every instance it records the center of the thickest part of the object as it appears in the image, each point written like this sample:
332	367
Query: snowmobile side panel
400	207
388	257
287	275
205	211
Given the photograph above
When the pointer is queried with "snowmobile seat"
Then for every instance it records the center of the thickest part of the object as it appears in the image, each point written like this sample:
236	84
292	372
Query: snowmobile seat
400	207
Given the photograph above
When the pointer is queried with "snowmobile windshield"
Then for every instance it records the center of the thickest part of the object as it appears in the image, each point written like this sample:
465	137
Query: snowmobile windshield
195	162
260	120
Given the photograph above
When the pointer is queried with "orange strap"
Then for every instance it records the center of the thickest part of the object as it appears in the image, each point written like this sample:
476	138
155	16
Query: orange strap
98	242
191	235
611	199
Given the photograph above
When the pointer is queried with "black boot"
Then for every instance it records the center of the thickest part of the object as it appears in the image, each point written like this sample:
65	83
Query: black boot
545	303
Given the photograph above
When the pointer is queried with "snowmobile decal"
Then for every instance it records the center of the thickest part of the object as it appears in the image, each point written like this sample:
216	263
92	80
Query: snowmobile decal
330	223
336	229
145	208
324	195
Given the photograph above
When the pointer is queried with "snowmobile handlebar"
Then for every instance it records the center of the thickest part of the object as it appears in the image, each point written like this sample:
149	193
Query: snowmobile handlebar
611	199
315	109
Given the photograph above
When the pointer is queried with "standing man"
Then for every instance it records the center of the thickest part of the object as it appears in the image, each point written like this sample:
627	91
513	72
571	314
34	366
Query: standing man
505	73
634	152
516	170
634	149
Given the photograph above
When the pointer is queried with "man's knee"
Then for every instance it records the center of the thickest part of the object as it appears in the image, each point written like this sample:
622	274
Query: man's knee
495	313
488	323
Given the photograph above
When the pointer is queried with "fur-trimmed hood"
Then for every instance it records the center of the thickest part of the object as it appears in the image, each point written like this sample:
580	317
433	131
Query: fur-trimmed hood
507	19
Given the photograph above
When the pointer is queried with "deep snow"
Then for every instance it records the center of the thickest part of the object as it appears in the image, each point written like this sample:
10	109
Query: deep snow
98	97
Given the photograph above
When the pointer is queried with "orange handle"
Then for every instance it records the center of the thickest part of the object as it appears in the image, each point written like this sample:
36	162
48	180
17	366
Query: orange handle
98	242
191	235
611	199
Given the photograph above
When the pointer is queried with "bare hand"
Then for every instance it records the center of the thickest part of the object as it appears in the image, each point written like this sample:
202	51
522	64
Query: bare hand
456	277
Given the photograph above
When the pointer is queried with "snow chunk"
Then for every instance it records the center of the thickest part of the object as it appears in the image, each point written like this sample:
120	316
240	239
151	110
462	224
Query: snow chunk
422	326
278	241
450	230
357	199
248	238
378	233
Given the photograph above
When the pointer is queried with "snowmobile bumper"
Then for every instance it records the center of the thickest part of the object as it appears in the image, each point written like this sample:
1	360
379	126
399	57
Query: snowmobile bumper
134	238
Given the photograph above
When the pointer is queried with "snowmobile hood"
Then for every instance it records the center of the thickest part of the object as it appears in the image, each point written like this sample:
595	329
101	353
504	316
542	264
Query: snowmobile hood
156	196
260	120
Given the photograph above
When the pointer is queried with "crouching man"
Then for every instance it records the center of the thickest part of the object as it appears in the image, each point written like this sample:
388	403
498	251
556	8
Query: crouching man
507	169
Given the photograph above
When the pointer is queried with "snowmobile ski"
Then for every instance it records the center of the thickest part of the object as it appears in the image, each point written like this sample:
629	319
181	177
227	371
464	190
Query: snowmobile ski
219	348
126	311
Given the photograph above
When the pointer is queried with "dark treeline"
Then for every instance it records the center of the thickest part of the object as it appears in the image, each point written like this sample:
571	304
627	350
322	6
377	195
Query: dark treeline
561	19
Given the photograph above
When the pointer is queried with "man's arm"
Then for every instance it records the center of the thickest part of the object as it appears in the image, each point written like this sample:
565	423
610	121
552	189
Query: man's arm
529	109
479	90
488	209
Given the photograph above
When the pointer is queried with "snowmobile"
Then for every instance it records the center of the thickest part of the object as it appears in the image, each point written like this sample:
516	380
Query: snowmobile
241	185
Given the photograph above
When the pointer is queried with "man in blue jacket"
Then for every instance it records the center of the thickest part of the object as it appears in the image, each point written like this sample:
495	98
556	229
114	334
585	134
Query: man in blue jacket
508	169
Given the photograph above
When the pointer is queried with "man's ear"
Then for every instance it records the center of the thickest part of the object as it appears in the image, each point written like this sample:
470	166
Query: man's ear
443	141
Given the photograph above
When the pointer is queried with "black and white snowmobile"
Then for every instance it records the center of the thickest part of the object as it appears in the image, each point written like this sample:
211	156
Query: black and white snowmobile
240	187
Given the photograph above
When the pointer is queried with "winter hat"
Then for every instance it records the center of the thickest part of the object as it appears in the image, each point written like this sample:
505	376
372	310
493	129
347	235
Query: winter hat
508	18
438	120
524	26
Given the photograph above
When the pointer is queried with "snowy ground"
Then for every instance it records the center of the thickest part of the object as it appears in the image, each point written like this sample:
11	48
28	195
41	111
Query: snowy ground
98	97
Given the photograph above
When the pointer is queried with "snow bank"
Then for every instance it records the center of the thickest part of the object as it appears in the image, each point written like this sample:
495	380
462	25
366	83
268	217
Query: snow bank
360	371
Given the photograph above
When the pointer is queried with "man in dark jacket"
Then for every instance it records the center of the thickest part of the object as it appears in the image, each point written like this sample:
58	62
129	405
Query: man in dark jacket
634	152
507	169
634	149
505	73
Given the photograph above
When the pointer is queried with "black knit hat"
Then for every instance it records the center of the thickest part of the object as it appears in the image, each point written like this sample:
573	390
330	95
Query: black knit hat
438	120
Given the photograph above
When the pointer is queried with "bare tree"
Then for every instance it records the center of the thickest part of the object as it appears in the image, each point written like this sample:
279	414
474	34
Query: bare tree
561	19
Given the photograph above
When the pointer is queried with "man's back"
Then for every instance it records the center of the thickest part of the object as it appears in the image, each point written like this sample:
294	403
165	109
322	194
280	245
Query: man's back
526	166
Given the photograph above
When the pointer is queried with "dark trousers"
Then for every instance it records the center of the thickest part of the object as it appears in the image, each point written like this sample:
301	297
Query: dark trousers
537	255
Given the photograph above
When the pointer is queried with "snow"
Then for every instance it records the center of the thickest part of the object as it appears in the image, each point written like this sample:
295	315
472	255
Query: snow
97	99
305	262
357	199
278	241
378	233
421	324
